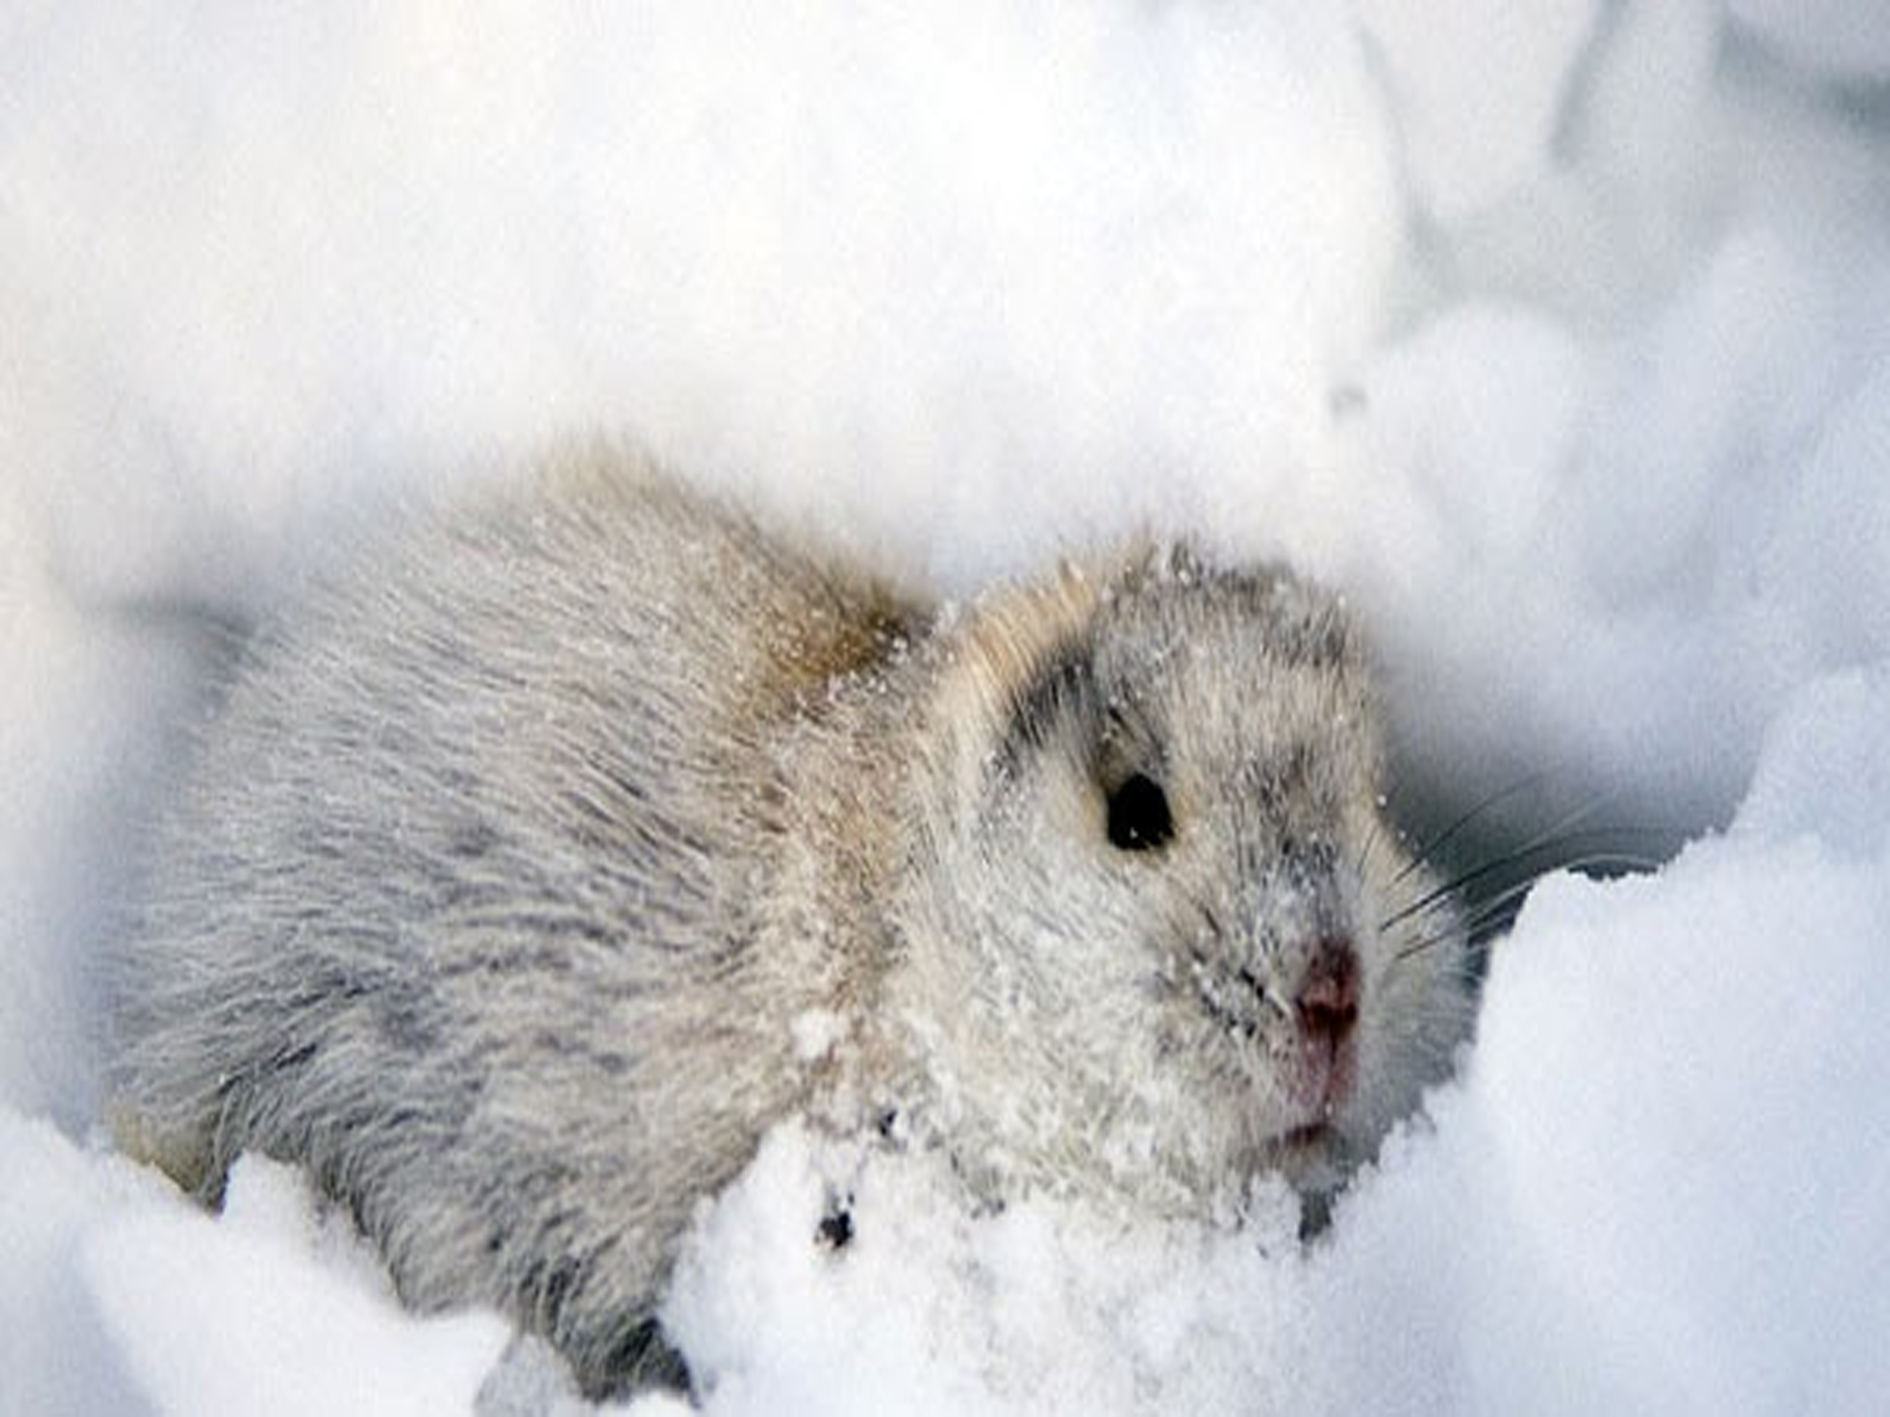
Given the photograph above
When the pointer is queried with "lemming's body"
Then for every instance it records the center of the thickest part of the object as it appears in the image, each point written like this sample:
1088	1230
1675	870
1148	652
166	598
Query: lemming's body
563	839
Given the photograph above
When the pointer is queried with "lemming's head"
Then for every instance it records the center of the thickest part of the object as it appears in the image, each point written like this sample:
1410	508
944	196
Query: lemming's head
1156	883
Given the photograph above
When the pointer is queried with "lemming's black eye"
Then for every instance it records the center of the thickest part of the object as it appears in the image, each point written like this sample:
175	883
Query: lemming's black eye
1139	819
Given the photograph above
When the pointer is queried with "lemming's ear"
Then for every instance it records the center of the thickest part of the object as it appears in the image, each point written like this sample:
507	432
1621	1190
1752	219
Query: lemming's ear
1147	560
1010	633
1000	646
1184	562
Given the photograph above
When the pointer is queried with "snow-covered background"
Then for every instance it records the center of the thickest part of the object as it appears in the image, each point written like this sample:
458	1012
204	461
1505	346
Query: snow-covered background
1557	332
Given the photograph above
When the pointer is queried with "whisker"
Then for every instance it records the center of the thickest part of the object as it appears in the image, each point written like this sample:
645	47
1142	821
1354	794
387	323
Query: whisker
1426	850
1371	845
1555	837
1476	927
1598	861
1493	911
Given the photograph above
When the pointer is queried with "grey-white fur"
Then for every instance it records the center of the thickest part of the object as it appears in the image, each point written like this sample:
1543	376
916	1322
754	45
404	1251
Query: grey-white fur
573	834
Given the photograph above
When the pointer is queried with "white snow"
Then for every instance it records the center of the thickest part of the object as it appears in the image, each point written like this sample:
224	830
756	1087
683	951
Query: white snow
1558	335
1847	38
118	1298
1477	88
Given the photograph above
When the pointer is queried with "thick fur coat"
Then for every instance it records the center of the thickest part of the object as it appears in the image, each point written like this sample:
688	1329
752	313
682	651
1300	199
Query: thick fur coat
568	837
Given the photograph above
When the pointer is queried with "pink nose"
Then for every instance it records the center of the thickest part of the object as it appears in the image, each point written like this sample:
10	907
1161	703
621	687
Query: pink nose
1327	1002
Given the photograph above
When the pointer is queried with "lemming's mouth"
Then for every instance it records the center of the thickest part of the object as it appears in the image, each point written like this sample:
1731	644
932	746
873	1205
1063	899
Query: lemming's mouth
1313	1136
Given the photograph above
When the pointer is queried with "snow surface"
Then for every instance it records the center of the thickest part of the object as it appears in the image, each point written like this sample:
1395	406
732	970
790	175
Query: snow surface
1558	334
